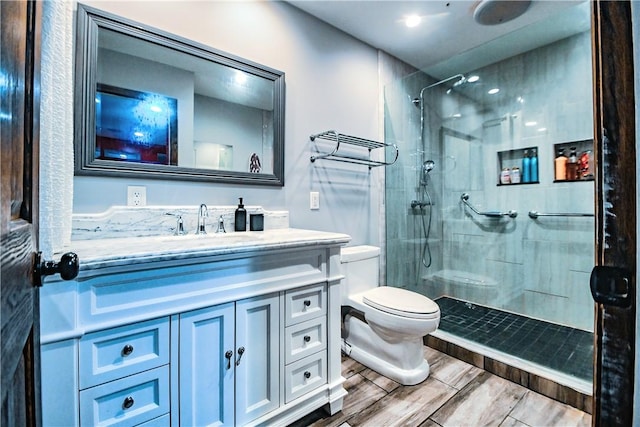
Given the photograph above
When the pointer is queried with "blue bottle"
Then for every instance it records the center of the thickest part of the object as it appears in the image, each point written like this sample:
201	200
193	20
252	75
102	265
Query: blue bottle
534	166
526	167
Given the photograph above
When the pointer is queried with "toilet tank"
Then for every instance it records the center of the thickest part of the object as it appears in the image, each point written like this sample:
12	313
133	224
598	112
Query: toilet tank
360	266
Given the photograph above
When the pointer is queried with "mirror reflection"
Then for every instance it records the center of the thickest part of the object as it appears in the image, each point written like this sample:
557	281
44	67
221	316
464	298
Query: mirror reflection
155	105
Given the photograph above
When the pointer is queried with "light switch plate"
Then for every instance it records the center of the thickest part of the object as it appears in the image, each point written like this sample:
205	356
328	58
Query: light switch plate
314	200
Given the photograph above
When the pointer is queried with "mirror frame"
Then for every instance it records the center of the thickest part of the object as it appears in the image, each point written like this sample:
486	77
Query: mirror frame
89	22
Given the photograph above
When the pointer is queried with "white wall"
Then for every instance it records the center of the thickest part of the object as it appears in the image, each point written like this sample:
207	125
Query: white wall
331	83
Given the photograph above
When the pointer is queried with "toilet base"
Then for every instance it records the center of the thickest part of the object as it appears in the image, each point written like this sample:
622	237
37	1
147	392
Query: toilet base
401	361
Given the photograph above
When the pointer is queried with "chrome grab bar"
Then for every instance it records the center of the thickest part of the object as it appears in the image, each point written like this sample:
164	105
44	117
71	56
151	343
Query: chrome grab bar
490	214
536	214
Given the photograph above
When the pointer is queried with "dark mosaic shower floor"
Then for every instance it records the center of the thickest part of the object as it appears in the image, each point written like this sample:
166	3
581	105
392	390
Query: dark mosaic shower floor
557	347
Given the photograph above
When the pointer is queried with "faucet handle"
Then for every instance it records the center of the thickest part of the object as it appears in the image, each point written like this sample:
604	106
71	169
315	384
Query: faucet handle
179	231
220	228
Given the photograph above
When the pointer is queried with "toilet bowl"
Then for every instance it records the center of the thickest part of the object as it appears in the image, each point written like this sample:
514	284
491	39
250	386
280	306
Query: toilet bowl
384	326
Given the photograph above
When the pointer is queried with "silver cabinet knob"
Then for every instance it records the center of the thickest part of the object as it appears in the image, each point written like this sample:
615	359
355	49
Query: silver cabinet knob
228	355
128	402
240	353
127	350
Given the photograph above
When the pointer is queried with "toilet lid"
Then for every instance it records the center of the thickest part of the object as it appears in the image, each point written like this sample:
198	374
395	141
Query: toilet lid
400	302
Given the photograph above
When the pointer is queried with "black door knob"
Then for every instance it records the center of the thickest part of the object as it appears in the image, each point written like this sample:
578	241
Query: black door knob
68	267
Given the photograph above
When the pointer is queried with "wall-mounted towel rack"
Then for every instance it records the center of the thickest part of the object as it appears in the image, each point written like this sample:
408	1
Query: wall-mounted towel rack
490	214
536	214
339	139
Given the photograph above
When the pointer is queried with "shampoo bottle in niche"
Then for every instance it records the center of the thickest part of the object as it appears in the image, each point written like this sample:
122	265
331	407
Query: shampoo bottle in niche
561	166
241	217
534	166
526	167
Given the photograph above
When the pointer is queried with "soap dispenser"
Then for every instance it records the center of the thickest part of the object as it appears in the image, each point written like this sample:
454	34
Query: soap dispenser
241	217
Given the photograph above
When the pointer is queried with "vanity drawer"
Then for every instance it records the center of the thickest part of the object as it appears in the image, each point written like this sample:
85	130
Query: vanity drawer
114	353
128	401
306	338
305	303
305	375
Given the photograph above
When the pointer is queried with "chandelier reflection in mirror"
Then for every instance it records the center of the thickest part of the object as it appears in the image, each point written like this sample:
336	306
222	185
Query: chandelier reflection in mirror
134	126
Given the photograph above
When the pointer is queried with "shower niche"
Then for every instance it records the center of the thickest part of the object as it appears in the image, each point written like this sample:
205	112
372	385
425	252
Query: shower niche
573	161
518	166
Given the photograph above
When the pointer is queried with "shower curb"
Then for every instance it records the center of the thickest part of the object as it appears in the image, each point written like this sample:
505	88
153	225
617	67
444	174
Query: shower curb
544	386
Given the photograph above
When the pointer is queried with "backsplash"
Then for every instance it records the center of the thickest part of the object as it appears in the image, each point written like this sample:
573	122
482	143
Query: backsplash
128	221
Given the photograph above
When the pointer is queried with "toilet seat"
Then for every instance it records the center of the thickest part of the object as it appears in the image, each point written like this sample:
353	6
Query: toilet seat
401	302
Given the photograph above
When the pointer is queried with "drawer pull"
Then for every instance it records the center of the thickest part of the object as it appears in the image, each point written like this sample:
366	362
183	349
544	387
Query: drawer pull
307	303
240	353
128	402
228	355
307	338
307	374
127	350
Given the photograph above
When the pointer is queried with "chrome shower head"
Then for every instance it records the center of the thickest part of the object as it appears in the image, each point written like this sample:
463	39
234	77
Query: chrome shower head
428	166
462	80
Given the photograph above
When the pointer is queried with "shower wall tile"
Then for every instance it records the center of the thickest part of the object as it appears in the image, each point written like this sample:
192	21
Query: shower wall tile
547	262
545	306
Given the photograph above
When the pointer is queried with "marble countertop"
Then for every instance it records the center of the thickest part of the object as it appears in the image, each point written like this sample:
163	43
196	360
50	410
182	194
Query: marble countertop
115	252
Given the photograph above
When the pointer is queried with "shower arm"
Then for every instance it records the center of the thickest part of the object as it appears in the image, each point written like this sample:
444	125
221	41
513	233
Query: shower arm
491	214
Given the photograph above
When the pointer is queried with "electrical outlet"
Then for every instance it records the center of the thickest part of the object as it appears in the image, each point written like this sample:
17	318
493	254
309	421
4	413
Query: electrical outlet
314	200
136	195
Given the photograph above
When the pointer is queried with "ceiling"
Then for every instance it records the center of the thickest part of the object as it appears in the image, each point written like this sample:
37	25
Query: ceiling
448	40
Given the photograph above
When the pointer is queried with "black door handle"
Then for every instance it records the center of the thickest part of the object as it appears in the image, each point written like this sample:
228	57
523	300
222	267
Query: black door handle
68	267
611	286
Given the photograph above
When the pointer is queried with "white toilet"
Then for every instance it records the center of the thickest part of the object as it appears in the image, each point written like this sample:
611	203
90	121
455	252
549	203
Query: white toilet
383	326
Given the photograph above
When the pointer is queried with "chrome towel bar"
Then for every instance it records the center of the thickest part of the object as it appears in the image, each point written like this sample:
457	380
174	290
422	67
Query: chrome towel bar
490	214
536	214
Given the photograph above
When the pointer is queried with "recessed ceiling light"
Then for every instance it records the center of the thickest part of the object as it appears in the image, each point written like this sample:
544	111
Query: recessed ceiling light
138	134
493	91
530	123
155	109
412	21
473	79
241	78
542	129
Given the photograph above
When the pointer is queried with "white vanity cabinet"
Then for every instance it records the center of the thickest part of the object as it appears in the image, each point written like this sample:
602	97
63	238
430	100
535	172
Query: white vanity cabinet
229	354
240	336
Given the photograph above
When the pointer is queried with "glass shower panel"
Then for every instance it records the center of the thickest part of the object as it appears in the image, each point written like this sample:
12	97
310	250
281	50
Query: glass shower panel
536	268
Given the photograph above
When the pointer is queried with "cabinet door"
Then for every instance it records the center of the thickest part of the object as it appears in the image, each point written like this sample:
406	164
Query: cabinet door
206	375
257	370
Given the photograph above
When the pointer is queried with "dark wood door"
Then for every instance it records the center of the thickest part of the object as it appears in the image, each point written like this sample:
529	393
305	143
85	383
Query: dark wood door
615	139
20	105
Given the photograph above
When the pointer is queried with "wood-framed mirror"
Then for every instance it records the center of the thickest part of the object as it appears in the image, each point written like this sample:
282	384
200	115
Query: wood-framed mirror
150	104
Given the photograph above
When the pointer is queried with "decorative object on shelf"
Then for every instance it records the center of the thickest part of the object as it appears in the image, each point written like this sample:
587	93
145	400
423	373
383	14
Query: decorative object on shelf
254	164
339	139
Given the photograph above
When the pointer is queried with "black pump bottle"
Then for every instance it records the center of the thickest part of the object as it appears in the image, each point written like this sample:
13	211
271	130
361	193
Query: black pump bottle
241	217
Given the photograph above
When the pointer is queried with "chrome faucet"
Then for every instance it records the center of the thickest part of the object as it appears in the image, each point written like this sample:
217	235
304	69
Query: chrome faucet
202	214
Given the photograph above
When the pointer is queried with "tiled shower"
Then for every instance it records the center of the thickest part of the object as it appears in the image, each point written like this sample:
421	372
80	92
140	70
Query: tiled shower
538	268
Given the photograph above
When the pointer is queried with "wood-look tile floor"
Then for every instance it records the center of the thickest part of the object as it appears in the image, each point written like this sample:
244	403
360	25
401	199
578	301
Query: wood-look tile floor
455	394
